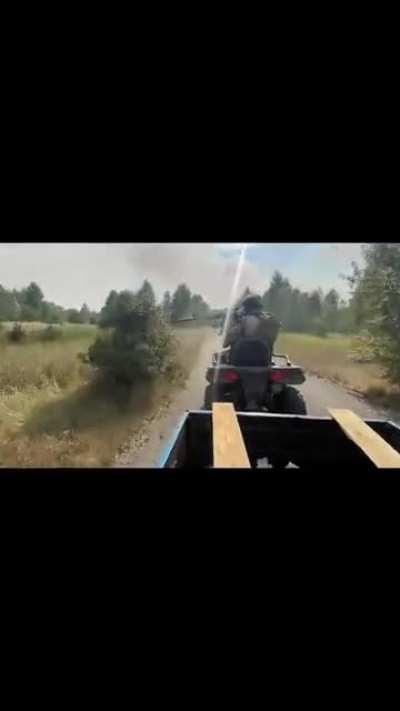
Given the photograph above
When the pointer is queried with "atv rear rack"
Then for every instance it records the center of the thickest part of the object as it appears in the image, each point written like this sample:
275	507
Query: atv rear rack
286	357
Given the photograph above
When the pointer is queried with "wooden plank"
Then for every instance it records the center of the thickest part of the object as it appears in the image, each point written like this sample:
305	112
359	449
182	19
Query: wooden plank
374	446
229	448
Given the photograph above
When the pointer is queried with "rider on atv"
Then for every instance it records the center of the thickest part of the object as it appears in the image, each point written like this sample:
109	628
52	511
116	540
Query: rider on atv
249	322
246	374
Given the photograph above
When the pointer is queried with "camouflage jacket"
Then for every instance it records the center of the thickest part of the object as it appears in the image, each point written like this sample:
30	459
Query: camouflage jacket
262	326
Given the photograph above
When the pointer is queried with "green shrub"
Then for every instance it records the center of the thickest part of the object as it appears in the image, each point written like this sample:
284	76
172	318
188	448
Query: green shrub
363	348
51	333
141	348
17	334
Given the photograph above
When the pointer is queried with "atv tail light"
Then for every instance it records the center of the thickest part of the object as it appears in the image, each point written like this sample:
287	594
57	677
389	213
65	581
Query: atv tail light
229	376
277	376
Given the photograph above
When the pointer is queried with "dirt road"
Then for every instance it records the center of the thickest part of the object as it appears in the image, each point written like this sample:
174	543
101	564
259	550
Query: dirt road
319	394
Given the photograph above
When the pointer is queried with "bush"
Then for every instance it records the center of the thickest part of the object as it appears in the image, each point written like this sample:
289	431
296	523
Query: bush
17	334
363	348
141	348
74	316
50	334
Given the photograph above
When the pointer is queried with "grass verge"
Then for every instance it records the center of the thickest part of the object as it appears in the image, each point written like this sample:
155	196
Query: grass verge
331	358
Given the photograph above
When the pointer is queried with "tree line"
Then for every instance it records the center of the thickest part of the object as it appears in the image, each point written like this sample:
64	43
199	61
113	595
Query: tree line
180	305
304	311
184	304
312	312
29	304
375	304
299	311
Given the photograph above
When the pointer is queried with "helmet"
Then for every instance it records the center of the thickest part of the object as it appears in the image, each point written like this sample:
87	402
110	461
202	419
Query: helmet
252	303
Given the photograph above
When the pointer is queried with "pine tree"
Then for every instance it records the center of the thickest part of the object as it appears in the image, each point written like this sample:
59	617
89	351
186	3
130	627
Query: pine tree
166	306
84	314
9	307
145	296
180	303
198	307
33	296
108	312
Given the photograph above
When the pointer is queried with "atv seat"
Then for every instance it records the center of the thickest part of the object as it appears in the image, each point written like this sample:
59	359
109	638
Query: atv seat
251	353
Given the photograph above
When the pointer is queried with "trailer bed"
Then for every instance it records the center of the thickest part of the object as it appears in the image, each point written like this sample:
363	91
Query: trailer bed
267	438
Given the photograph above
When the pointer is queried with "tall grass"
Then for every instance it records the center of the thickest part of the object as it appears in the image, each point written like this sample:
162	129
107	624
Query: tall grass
36	364
32	375
55	411
333	358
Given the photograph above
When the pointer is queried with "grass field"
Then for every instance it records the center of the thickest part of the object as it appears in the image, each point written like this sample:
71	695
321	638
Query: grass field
330	358
54	411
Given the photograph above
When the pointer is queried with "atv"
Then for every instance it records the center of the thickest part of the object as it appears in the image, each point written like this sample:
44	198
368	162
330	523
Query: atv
249	376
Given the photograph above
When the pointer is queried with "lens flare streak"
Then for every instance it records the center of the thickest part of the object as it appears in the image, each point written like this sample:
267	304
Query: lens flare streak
232	299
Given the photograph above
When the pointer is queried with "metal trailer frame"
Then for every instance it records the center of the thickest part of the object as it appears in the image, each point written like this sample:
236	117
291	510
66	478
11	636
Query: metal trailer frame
312	441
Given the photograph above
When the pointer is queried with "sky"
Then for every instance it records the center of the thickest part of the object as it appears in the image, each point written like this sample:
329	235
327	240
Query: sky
71	274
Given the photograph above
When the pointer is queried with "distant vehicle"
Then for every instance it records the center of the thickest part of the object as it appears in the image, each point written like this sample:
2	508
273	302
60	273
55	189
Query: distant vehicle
181	321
